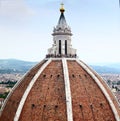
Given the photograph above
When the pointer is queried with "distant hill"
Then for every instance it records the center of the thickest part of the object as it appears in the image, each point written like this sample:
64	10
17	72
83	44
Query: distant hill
15	66
113	68
106	69
19	66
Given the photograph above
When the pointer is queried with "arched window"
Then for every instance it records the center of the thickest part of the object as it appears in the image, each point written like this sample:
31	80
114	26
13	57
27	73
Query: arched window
65	47
60	47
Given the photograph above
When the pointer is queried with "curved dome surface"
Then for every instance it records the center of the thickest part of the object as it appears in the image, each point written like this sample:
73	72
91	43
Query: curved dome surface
43	94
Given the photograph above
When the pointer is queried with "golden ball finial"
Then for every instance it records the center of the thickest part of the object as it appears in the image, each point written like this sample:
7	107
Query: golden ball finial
62	8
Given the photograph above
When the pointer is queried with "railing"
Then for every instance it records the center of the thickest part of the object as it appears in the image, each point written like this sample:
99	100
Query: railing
61	55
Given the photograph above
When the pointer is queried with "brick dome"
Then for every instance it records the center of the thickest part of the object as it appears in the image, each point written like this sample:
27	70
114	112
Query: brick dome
61	88
58	89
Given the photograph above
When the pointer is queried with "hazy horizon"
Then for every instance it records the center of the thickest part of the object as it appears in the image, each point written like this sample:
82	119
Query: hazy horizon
90	63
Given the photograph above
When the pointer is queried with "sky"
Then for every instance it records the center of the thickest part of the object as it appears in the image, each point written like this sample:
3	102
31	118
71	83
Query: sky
26	27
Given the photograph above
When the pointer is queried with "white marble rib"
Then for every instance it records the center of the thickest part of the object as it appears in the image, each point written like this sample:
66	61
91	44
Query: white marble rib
102	88
67	91
16	85
24	97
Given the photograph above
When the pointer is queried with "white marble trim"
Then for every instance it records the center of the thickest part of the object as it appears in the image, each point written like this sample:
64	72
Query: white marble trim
67	90
21	104
16	85
102	89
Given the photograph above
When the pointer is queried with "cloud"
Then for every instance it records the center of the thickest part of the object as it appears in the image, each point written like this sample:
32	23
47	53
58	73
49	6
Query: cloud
15	8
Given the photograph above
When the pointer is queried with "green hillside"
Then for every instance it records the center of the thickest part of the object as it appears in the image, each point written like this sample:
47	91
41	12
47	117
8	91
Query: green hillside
15	66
